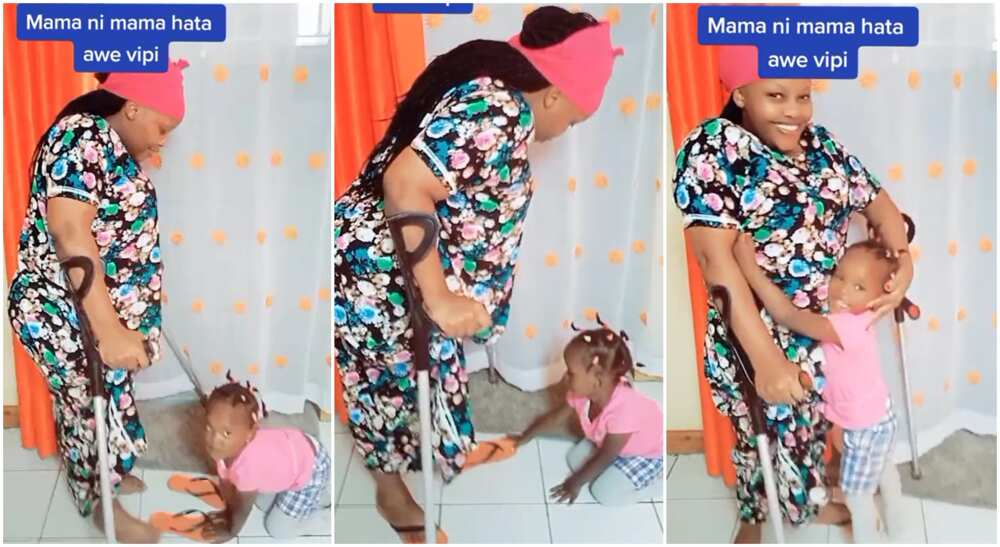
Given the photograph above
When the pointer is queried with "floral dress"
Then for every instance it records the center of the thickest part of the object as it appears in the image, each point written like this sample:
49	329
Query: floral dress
475	142
83	159
797	210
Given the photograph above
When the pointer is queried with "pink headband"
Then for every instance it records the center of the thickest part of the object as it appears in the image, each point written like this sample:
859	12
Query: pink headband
161	91
579	66
737	66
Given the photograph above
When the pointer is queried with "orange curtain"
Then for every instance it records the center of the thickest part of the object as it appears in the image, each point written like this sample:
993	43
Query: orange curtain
377	58
38	81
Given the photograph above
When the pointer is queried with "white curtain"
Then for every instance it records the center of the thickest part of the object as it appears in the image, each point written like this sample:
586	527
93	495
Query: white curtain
244	195
923	119
593	234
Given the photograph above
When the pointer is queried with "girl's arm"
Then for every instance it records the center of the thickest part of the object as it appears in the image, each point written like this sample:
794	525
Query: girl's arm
883	215
776	302
602	458
546	422
226	524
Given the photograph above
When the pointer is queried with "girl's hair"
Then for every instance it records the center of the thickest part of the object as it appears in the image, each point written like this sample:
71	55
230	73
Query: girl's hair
543	27
877	252
732	111
98	102
237	394
603	348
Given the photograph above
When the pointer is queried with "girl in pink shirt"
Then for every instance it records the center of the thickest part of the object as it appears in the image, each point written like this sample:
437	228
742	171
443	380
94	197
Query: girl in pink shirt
855	396
621	454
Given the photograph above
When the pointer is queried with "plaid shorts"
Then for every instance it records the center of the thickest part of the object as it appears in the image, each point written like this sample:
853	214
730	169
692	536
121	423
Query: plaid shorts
640	470
866	453
302	503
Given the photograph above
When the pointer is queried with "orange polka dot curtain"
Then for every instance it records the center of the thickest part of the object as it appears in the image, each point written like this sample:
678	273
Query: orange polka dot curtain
592	237
244	191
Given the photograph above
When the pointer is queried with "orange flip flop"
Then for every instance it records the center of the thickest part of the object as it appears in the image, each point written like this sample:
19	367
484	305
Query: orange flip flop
414	535
203	488
189	524
491	452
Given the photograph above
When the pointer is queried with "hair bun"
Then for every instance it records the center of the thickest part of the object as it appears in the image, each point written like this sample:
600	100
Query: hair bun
101	76
550	25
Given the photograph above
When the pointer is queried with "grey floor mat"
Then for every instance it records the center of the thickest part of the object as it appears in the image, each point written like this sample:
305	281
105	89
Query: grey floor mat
175	427
503	408
961	470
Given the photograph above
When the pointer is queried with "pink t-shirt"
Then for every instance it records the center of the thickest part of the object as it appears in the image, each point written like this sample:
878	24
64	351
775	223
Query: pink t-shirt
855	393
628	411
276	460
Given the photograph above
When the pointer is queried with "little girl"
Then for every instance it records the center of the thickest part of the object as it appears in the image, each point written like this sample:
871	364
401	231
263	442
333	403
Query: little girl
854	393
622	451
283	471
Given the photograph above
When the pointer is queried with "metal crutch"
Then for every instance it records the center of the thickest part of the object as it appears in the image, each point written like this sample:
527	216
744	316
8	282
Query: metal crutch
491	358
422	325
185	362
96	370
755	407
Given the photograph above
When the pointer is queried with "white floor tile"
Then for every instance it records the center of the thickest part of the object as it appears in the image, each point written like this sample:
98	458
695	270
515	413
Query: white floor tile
660	515
516	480
657	490
7	540
689	480
503	524
810	533
68	541
343	451
64	521
947	523
913	527
591	523
554	467
18	458
361	524
700	521
359	486
304	539
26	497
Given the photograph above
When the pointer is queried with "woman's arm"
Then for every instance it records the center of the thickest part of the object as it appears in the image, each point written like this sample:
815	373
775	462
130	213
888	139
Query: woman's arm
776	301
69	222
411	186
546	422
602	458
883	215
777	380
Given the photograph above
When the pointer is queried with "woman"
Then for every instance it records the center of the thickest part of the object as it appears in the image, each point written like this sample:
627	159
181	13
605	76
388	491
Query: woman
90	197
764	169
456	146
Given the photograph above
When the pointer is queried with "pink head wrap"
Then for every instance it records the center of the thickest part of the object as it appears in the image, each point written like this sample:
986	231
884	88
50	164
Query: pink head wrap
737	66
579	66
161	91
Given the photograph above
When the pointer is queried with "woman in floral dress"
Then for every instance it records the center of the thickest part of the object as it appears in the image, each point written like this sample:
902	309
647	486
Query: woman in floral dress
457	146
764	169
90	196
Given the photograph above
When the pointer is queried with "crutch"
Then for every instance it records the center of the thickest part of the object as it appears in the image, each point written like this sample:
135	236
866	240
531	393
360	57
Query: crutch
185	362
96	369
720	295
421	324
491	358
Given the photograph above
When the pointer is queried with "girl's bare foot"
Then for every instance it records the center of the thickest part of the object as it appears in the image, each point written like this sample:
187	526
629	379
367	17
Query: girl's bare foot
834	513
128	529
748	533
131	485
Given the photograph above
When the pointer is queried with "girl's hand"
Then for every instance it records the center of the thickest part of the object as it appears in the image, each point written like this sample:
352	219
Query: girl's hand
566	492
121	347
216	527
779	383
457	316
895	288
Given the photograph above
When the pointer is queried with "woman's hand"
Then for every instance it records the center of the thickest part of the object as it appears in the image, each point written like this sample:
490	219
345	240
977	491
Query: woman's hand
895	288
457	316
123	348
779	383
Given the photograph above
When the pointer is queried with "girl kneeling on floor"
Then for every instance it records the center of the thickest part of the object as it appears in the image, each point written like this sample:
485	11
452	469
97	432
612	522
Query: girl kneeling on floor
621	454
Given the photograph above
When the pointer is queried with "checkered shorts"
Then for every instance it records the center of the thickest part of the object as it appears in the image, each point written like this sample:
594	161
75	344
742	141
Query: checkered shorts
640	470
866	453
302	503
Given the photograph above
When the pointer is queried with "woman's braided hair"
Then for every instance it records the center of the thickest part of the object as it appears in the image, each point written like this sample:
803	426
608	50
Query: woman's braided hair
603	348
244	395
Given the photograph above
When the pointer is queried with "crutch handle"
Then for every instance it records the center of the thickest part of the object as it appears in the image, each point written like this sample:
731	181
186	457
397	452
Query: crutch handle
77	294
906	309
419	320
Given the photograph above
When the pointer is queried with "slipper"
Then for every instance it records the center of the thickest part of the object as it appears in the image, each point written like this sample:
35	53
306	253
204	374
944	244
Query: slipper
203	488
491	452
413	535
189	524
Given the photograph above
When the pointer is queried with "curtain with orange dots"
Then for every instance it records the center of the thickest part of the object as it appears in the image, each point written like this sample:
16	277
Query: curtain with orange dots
592	239
244	195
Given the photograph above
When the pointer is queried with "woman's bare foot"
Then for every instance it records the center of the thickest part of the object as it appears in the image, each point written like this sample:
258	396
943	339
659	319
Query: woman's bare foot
131	485
748	533
834	513
128	529
397	506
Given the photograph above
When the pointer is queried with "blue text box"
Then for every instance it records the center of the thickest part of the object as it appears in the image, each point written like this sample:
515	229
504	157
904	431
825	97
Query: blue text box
121	37
808	41
449	8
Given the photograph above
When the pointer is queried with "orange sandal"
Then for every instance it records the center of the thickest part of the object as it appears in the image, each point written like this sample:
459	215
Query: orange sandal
491	452
203	488
189	524
414	535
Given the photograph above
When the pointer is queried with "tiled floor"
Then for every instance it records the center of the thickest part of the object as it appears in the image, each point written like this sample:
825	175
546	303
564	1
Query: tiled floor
701	509
504	502
37	506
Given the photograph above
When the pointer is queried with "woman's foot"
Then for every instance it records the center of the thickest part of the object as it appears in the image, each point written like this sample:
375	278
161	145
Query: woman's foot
396	505
128	529
748	533
131	485
834	513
